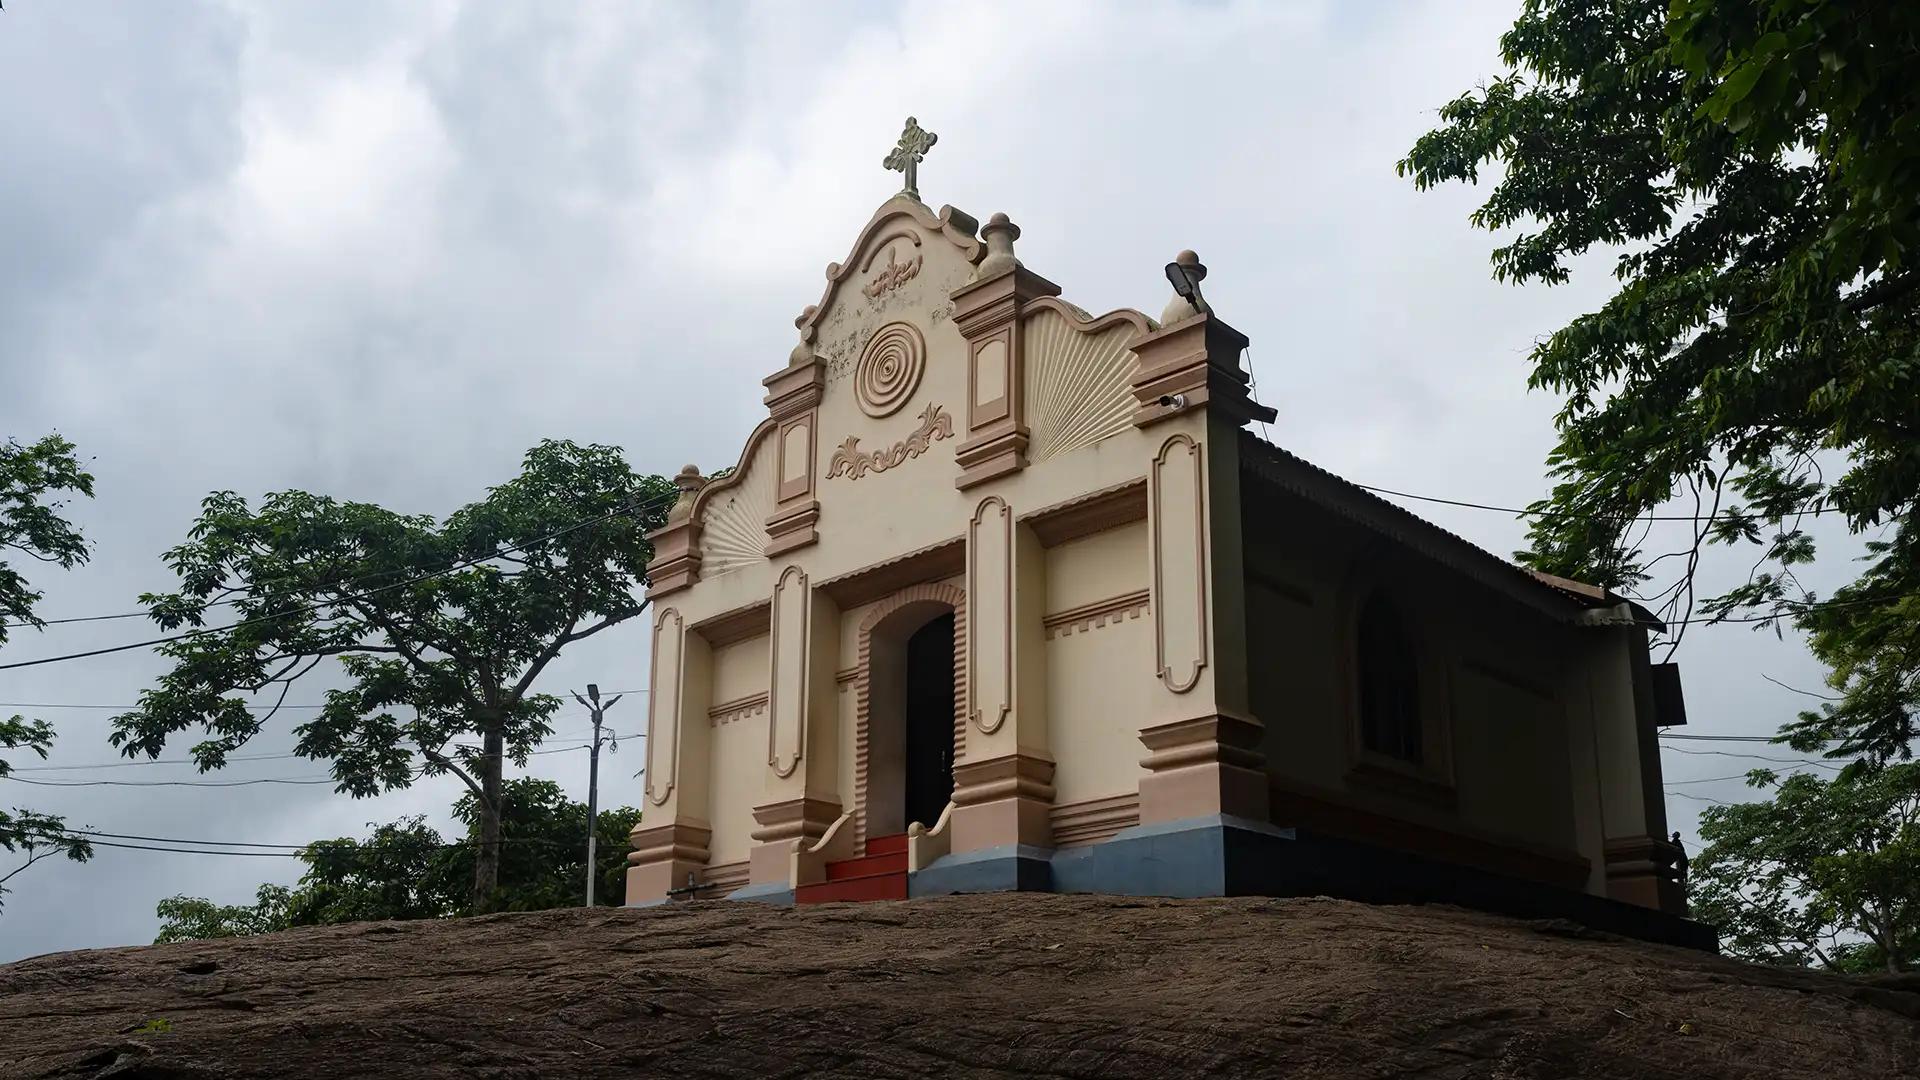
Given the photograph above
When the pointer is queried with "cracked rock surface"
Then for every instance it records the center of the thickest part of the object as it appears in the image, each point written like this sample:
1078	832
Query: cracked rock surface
999	985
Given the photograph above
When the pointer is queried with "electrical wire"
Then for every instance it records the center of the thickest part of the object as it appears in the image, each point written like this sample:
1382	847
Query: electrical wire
1808	508
335	602
171	783
249	757
1756	757
281	848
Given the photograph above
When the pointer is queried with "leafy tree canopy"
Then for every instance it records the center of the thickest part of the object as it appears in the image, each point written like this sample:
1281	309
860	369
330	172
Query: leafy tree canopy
1826	871
441	627
33	480
405	870
1758	165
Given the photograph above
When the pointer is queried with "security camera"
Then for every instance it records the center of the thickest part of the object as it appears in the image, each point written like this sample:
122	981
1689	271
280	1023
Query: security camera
1173	401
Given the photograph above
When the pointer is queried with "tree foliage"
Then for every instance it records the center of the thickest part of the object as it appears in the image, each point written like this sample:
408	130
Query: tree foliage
405	870
1757	166
441	627
34	479
1826	871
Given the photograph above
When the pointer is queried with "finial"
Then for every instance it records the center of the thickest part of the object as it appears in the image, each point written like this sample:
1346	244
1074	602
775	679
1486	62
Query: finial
907	154
803	352
1185	273
1000	233
689	482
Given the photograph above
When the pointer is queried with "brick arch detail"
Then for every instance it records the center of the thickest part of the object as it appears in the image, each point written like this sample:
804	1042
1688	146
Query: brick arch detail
951	596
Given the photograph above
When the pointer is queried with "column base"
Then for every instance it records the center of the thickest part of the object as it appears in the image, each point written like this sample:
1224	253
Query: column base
663	858
1640	870
785	826
1205	765
1001	802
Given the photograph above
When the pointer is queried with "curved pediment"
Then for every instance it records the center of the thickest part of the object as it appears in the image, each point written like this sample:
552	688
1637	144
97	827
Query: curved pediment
889	230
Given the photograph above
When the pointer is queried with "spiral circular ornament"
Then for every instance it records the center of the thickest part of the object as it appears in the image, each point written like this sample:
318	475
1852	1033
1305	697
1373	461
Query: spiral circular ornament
889	369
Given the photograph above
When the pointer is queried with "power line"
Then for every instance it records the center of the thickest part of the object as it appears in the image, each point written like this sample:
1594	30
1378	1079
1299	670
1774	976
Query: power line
170	783
335	602
74	705
247	705
248	757
1755	757
1720	738
1808	508
195	851
177	840
281	847
1706	780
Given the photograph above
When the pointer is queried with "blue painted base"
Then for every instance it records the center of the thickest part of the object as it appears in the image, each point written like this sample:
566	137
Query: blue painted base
764	893
1207	856
1013	868
1229	856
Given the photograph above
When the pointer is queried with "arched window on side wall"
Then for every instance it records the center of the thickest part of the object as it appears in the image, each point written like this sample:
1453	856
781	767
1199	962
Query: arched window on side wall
1389	684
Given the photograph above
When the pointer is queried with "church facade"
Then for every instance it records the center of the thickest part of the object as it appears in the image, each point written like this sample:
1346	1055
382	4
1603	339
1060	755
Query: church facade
1006	595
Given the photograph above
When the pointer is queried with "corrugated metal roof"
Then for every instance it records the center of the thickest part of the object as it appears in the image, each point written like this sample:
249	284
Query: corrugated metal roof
1296	474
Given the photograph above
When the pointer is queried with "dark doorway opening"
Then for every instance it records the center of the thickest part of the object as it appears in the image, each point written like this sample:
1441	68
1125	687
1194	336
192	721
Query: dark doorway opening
929	750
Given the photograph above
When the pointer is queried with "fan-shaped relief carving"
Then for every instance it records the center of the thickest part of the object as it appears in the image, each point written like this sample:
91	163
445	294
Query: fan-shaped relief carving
890	369
1077	382
733	530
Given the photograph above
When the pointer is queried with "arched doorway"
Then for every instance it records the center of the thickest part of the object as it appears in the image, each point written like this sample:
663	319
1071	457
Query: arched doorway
910	708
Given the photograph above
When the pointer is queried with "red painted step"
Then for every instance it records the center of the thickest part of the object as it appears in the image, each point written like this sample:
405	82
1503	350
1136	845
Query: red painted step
889	863
871	887
880	874
887	845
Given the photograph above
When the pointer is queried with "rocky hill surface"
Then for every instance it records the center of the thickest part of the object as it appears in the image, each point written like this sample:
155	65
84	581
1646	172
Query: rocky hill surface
1001	985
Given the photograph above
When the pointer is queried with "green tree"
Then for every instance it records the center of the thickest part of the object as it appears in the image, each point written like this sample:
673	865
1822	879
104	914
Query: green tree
544	850
1756	167
1826	871
190	918
400	872
442	628
32	480
404	870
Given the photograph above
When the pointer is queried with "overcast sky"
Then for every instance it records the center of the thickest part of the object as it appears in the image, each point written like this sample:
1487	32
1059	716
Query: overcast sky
378	250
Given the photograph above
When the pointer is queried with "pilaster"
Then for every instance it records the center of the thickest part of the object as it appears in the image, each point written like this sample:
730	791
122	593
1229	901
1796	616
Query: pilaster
987	313
672	838
1203	747
1003	786
676	545
793	400
1639	858
800	798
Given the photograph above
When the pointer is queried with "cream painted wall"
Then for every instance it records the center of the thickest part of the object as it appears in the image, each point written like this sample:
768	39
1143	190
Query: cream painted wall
739	749
740	669
1098	682
1097	567
1099	677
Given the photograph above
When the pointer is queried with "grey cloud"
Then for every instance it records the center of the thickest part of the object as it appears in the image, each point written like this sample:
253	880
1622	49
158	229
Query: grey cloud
380	250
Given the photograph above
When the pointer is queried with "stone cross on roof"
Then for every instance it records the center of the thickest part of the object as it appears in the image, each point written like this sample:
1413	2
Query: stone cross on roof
914	143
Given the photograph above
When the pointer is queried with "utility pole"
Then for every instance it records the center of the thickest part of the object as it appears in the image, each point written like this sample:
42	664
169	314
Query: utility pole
593	780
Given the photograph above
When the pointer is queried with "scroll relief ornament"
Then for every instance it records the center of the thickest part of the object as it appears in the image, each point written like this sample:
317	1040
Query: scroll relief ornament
892	276
935	425
889	370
